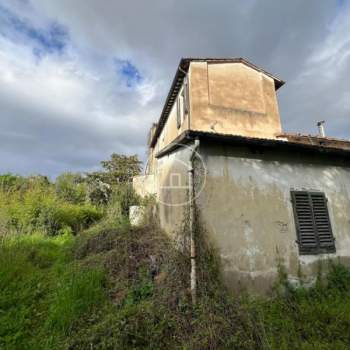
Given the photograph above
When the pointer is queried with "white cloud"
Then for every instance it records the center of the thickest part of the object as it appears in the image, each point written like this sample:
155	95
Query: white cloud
45	100
69	108
321	90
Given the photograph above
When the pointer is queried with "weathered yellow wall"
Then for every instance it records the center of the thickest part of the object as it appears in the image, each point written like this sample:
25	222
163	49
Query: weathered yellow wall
227	98
170	130
232	98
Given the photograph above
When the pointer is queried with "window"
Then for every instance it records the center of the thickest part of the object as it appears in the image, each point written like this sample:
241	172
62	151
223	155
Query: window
312	222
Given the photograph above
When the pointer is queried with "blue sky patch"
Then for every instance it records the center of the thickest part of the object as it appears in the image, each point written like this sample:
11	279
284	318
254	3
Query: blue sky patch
128	72
340	4
49	40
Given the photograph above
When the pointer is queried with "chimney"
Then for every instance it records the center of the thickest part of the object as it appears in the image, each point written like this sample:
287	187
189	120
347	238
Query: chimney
321	128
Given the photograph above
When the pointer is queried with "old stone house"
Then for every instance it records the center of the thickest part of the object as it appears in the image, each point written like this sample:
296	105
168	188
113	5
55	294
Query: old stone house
263	195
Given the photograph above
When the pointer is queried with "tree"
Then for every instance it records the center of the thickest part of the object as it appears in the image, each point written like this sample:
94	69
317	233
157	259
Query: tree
115	180
98	190
121	168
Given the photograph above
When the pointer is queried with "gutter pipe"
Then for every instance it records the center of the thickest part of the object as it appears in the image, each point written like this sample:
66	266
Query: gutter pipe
191	223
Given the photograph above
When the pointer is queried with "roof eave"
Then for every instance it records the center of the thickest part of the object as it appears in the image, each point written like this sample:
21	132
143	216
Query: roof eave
190	135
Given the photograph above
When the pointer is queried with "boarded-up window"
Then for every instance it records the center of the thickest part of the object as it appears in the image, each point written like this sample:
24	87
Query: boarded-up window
312	221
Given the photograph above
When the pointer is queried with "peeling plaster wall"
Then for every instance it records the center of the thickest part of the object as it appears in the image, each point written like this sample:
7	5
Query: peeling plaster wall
246	208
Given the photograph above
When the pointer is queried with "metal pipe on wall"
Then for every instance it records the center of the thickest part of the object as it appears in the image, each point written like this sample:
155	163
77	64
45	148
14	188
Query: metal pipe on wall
192	224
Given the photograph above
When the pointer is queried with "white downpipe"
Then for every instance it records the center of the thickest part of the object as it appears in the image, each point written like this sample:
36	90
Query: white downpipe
191	224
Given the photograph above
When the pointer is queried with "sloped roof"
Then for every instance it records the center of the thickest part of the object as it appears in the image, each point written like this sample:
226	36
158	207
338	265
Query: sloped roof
178	80
329	149
316	140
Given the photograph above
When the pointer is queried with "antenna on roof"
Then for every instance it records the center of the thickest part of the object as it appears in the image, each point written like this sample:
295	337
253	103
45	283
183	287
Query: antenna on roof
321	131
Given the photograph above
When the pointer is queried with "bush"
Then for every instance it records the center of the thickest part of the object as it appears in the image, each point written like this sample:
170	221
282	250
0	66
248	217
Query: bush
38	209
71	188
10	182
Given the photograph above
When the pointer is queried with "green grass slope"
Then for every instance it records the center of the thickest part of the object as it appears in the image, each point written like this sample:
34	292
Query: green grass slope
117	287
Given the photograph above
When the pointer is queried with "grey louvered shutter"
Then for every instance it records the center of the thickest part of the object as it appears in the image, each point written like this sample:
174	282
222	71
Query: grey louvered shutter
312	221
322	222
306	231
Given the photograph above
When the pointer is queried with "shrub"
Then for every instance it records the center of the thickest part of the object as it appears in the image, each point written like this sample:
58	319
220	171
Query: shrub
10	182
124	196
40	209
71	188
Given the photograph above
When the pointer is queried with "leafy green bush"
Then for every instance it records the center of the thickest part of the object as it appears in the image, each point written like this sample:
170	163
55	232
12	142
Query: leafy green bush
38	209
71	188
10	182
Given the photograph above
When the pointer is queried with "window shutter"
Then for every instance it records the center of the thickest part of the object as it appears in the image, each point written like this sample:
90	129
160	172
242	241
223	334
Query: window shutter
322	222
178	111
185	93
307	238
313	225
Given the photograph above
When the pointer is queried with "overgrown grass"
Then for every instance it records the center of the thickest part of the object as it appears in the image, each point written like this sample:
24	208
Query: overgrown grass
314	318
43	292
117	287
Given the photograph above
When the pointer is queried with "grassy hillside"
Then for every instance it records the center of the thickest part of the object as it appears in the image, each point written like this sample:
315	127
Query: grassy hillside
124	288
90	281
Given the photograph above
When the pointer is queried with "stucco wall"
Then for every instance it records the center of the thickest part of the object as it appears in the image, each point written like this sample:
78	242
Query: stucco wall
172	189
246	208
145	185
170	130
231	98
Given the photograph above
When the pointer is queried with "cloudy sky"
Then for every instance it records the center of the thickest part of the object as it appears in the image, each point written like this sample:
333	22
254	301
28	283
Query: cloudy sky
80	79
